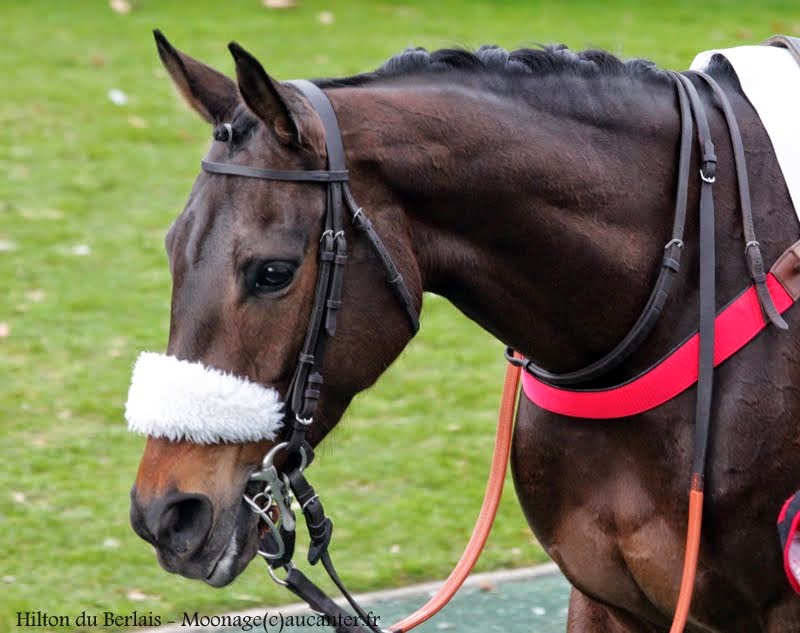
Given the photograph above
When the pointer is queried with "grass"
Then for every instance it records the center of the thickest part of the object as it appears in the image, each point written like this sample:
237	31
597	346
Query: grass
87	191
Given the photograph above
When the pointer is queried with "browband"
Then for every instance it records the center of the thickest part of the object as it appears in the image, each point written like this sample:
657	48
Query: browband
261	173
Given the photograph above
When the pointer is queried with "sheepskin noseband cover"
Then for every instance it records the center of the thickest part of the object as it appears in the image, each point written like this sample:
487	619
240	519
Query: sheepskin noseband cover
182	400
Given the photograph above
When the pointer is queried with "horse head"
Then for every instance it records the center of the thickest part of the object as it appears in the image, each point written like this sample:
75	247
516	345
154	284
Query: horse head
244	259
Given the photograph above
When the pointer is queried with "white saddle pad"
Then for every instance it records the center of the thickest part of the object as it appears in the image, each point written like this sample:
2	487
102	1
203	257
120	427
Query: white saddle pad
770	78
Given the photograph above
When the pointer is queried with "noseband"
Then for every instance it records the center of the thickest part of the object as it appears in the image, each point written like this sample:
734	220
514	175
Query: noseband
273	503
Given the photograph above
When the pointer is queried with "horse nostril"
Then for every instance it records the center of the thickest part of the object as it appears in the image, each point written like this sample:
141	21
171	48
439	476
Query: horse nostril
183	523
139	519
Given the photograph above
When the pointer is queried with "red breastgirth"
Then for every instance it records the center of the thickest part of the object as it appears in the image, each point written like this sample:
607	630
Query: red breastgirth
736	325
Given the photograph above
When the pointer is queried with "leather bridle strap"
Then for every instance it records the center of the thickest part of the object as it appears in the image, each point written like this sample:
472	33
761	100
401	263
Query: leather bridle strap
300	585
304	390
231	169
670	266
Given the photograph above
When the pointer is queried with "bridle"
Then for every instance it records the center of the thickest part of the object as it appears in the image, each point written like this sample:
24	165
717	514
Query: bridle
273	504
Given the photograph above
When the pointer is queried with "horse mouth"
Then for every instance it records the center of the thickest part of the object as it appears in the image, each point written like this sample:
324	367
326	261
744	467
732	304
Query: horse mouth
239	550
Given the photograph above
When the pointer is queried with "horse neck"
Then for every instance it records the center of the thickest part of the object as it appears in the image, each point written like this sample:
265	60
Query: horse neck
542	217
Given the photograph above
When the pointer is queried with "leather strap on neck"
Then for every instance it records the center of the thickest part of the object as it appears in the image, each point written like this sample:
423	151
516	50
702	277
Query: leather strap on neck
669	268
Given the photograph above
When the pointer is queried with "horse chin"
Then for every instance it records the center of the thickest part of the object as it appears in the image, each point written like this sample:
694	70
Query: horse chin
239	550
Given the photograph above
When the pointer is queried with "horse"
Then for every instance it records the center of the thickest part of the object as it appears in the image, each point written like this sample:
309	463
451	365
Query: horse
534	190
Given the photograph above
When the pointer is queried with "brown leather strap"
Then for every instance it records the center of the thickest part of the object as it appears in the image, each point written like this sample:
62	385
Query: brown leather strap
653	308
705	381
786	270
363	225
752	249
306	384
307	381
785	41
229	169
341	621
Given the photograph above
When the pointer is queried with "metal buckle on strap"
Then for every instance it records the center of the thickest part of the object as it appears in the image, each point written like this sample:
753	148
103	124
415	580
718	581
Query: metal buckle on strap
304	422
751	244
673	242
709	179
277	495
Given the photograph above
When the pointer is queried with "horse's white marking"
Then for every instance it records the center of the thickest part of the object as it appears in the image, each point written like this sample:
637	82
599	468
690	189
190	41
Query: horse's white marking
182	400
223	566
770	79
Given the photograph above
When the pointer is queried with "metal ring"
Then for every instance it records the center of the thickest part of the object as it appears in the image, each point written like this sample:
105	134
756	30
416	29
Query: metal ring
750	244
674	242
257	509
303	421
710	180
324	233
270	457
359	211
288	567
338	234
229	128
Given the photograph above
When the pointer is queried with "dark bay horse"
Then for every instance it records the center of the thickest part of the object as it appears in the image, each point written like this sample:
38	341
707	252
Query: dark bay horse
534	190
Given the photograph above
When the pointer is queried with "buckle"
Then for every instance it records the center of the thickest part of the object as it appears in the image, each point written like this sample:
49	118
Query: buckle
673	242
709	179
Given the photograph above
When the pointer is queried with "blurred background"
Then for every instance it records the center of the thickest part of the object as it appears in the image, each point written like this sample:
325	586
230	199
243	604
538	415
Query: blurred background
97	155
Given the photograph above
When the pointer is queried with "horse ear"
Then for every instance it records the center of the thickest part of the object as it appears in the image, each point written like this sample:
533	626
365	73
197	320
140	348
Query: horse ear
272	102
210	93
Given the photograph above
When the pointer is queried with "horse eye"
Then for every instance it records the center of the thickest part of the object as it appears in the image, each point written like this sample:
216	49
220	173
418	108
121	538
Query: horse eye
272	276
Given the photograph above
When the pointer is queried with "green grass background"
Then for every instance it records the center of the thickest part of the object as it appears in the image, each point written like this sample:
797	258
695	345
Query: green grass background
87	189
